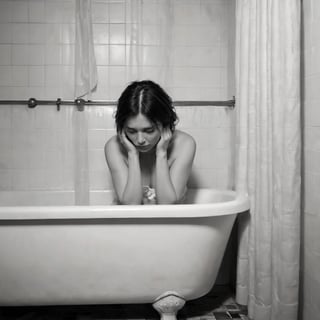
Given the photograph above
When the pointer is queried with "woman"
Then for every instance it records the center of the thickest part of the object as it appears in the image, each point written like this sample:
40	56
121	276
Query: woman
149	161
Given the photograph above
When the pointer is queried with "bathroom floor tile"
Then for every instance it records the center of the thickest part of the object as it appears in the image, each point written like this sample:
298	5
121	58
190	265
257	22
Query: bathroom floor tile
221	316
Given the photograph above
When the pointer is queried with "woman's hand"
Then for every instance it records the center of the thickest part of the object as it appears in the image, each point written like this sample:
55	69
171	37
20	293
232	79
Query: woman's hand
163	144
129	146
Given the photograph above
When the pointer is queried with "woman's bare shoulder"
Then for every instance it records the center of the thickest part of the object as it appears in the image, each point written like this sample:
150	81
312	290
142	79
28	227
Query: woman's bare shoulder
184	138
111	143
113	147
183	142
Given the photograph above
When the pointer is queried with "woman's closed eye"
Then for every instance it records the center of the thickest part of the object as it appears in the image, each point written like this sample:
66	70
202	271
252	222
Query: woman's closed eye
149	130
131	131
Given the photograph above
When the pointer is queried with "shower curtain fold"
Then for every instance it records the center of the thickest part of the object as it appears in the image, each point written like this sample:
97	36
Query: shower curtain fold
85	62
137	68
268	156
85	83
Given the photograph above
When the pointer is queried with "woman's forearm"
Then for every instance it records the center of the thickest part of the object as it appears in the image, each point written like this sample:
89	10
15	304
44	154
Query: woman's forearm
132	193
166	193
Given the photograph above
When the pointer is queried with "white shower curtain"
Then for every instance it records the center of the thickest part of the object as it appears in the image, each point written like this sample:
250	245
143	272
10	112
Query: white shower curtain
136	21
268	167
85	83
85	62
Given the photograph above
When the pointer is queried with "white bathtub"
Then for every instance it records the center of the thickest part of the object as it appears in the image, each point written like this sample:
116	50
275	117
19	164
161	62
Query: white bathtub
55	253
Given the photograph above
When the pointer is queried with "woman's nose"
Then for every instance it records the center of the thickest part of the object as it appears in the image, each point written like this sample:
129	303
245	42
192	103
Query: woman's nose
141	139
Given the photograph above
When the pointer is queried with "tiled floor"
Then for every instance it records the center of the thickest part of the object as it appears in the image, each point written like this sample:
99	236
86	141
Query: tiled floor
217	305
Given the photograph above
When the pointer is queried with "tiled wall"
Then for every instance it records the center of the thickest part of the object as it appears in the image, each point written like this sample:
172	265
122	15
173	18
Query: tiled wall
38	147
310	275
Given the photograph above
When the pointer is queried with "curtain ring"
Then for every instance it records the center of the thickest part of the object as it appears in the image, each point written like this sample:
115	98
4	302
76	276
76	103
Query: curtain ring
58	103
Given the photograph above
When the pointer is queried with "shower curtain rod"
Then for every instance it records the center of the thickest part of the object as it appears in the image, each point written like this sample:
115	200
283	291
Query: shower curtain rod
81	103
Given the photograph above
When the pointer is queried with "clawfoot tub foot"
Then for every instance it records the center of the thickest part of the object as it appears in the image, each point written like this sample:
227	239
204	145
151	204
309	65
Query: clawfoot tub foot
168	304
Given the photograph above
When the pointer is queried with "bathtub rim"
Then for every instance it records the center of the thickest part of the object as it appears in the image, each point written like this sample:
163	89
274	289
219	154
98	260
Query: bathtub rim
239	203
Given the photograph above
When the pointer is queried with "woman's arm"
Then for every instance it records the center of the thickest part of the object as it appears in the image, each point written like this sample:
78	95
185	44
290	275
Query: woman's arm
126	177
171	182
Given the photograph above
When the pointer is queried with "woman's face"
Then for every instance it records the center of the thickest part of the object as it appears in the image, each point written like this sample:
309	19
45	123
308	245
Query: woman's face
143	133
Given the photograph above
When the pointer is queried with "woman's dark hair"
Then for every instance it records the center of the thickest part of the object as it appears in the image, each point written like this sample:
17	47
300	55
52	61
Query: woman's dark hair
148	98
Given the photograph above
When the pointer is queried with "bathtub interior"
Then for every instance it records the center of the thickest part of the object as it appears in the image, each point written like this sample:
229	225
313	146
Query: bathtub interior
96	198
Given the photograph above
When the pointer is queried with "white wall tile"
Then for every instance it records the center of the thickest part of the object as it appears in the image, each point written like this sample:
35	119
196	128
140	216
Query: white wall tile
68	11
150	13
201	35
100	12
36	33
5	33
102	54
101	118
100	179
6	11
200	56
45	117
96	138
202	77
5	55
201	93
114	91
53	54
34	92
20	55
36	55
53	160
103	79
209	178
117	12
187	13
117	55
5	76
117	76
36	76
20	33
5	160
97	159
20	11
53	11
68	32
117	33
20	179
53	32
67	54
5	180
36	11
5	138
20	76
67	76
52	76
151	35
100	33
151	55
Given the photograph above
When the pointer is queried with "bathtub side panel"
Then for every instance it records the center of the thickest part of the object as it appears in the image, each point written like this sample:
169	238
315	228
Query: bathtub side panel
109	260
